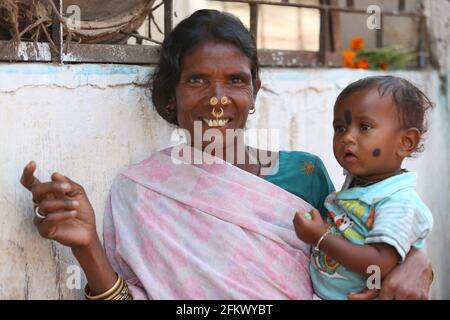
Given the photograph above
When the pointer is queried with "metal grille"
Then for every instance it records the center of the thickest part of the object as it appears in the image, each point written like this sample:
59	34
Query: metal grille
329	54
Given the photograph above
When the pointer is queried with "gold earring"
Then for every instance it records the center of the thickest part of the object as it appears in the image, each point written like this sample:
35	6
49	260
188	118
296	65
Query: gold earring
213	101
224	100
252	110
217	115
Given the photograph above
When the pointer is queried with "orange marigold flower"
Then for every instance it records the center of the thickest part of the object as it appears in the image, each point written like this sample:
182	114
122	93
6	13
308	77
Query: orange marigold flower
383	66
357	43
349	57
349	64
362	64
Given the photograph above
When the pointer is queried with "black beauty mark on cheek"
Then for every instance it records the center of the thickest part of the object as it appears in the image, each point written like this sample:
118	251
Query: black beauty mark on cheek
348	117
376	152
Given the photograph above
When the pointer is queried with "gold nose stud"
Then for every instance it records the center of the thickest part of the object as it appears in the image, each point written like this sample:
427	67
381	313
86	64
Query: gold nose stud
224	100
213	101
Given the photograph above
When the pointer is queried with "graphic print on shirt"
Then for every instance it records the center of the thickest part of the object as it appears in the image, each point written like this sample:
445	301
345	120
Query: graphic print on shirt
343	226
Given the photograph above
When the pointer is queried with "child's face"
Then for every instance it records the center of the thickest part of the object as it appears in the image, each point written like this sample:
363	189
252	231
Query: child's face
367	135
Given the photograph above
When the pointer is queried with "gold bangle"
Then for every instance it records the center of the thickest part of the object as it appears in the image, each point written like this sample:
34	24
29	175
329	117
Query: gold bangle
124	294
114	294
107	294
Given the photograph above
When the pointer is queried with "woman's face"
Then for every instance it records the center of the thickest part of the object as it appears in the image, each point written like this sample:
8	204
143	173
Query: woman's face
214	69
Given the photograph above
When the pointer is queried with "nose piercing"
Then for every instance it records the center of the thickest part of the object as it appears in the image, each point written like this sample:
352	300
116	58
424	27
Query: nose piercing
213	101
215	114
224	100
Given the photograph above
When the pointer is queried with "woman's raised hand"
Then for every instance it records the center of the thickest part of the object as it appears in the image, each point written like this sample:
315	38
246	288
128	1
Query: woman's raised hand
69	217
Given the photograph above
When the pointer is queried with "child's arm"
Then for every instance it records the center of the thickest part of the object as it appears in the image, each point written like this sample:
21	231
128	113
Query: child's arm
355	258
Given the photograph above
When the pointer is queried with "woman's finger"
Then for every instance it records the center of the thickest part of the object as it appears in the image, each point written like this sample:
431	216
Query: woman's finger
41	190
75	188
364	295
48	226
298	218
28	179
48	206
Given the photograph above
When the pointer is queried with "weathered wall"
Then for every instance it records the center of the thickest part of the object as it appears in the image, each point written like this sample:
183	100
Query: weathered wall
92	121
438	12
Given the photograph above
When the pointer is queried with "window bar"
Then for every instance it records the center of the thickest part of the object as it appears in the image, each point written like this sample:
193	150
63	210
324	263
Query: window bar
335	29
379	32
422	59
327	7
57	33
254	21
168	16
324	36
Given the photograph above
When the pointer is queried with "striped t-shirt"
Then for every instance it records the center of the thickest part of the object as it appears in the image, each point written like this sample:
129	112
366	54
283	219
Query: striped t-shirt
389	212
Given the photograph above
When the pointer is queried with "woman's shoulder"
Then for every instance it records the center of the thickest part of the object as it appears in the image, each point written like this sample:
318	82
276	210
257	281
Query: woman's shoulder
295	157
133	172
304	165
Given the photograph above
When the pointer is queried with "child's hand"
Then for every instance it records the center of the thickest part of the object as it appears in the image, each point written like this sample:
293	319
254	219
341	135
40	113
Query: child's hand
309	229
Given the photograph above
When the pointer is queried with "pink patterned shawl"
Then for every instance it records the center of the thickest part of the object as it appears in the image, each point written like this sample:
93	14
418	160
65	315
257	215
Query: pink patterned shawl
204	232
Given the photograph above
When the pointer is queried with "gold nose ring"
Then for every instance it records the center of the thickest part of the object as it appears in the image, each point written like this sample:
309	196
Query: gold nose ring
217	114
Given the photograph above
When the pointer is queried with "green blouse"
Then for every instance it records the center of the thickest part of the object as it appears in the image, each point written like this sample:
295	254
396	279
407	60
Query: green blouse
304	175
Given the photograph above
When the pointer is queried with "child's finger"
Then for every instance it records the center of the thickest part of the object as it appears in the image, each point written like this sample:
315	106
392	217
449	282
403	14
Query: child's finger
315	214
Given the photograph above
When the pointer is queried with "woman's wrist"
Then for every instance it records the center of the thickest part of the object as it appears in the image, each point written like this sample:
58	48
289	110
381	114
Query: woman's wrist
96	266
419	258
91	249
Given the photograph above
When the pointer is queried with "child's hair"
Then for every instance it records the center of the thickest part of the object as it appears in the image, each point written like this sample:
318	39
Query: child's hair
412	104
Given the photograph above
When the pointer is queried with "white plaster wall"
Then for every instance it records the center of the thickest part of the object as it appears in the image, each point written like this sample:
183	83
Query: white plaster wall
299	103
90	122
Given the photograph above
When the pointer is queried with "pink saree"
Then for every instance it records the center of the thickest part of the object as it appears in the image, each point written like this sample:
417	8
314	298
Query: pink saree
204	232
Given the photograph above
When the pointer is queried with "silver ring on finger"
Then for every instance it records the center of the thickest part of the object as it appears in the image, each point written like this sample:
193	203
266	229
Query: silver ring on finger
38	214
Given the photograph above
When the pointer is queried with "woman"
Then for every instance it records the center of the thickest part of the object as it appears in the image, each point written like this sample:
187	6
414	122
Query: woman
175	228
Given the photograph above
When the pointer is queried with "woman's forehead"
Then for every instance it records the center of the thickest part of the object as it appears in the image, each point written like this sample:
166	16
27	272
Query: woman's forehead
216	55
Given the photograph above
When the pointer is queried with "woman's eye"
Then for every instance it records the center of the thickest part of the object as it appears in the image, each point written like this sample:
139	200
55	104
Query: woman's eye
237	80
365	127
195	80
339	129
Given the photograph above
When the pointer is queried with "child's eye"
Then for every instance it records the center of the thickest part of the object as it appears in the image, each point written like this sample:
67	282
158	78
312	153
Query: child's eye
339	129
365	127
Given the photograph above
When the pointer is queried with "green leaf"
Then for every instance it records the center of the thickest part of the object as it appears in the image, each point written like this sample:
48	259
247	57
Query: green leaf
394	58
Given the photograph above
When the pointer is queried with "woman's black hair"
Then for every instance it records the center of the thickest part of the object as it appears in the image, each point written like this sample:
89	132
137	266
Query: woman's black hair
411	103
202	25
